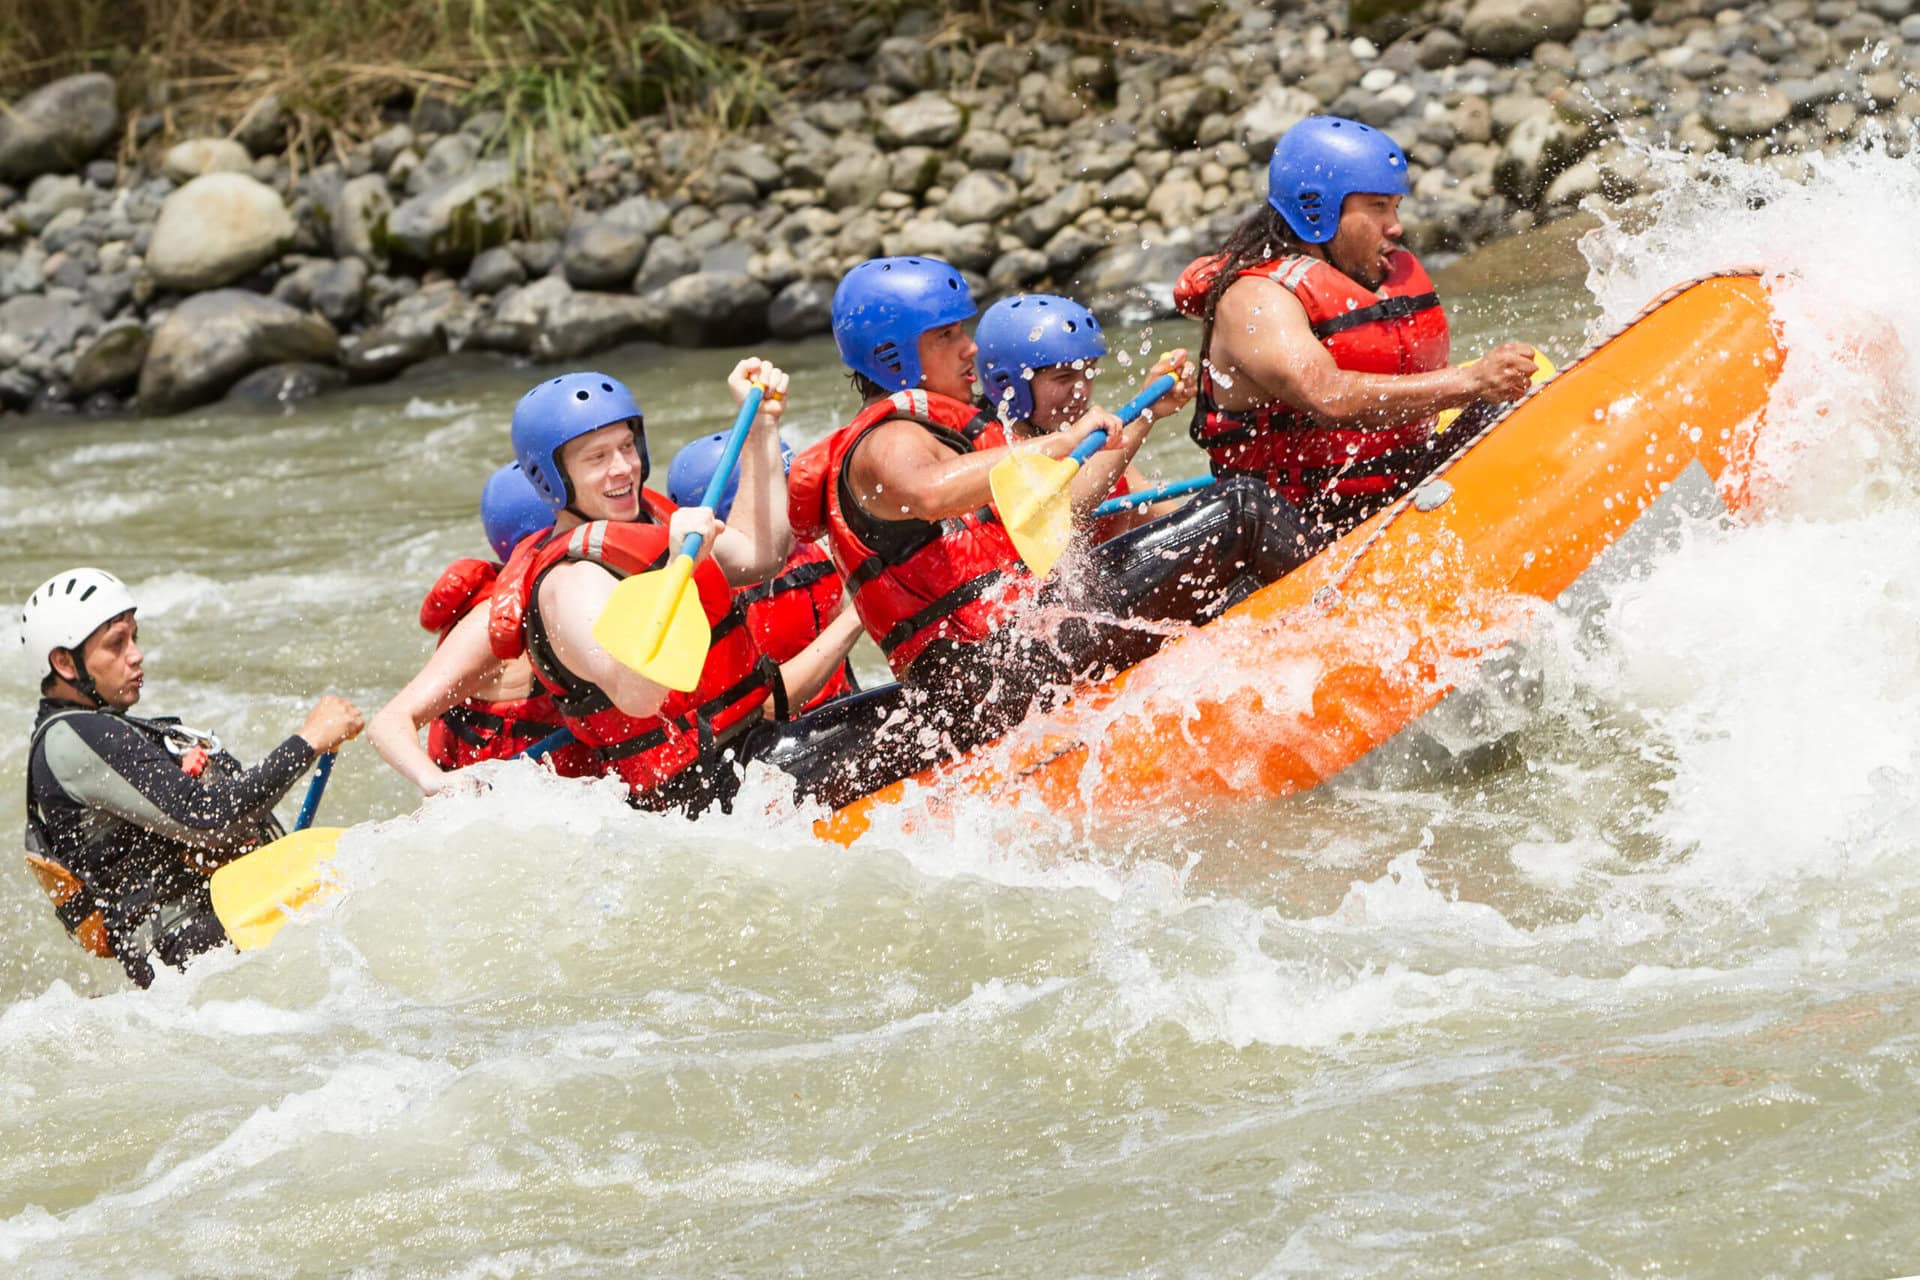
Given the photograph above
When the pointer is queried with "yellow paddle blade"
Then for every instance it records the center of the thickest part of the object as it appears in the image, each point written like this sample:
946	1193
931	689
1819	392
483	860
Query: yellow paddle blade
654	625
1542	370
1030	493
253	894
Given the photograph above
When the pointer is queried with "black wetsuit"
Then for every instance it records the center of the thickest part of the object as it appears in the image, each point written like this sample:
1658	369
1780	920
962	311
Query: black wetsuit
108	799
1186	567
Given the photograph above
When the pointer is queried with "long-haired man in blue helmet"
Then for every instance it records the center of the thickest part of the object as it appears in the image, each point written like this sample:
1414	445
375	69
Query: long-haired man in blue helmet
1325	344
902	496
1039	355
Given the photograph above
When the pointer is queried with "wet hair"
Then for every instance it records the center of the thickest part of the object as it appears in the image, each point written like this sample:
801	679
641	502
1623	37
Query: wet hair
1261	237
869	389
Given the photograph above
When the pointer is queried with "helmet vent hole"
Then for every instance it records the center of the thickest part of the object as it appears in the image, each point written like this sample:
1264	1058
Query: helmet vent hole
888	356
85	595
1071	326
607	387
579	395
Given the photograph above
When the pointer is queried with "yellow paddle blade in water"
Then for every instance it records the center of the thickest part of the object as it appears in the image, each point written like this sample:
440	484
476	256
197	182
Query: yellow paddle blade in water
1542	370
254	893
1030	493
654	624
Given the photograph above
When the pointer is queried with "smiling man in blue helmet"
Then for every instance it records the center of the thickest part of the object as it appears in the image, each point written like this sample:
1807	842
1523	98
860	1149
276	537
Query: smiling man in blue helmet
1325	344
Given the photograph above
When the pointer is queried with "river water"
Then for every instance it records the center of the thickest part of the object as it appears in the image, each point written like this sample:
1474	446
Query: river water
1619	974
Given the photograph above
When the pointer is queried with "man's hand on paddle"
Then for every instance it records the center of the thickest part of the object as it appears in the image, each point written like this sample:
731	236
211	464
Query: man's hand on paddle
751	370
1186	384
700	520
1504	373
331	722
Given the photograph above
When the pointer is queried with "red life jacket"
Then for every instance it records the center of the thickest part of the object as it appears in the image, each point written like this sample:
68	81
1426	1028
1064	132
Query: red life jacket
646	751
913	581
477	729
1399	329
789	612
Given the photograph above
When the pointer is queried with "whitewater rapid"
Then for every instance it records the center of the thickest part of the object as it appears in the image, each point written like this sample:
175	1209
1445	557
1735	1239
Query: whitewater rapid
1611	968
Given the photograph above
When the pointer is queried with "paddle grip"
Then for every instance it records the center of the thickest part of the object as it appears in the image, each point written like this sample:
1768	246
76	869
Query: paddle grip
315	789
729	461
1178	488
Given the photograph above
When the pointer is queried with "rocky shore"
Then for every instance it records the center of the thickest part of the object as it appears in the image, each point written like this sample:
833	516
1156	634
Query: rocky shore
191	269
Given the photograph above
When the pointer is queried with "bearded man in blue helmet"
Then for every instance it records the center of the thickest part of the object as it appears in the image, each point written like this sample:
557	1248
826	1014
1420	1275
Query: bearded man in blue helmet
1325	344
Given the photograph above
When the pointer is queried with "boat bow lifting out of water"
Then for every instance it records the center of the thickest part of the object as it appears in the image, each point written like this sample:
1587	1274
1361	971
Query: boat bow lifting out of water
1309	674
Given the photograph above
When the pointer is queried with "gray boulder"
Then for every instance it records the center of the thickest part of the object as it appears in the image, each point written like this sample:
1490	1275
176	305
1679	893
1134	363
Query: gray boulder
495	271
712	307
339	291
47	322
213	339
1038	223
215	230
446	159
280	386
856	178
971	247
448	225
111	362
581	323
196	157
801	310
1015	270
58	127
49	196
1511	28
905	62
1274	112
601	253
668	258
981	196
1748	113
924	120
359	215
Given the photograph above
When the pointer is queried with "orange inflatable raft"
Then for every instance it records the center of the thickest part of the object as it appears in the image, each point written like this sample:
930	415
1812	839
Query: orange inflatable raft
1303	678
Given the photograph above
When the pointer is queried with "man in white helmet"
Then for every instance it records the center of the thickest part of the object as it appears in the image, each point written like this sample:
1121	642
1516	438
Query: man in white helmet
126	816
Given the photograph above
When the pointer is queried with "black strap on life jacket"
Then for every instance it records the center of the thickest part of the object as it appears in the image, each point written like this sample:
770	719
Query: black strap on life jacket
764	676
799	576
964	594
1382	311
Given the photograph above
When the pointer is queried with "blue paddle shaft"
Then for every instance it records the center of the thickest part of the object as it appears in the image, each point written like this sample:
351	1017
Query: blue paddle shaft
315	789
547	745
729	461
1178	488
1128	412
1151	392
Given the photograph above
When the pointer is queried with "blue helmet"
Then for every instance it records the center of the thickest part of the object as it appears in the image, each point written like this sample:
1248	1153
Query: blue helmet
883	305
1321	161
1021	335
692	470
566	408
510	509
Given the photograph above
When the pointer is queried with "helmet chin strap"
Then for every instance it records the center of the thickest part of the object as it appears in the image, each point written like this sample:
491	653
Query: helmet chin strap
82	680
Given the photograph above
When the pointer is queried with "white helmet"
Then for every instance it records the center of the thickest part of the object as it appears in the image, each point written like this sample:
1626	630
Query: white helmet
69	607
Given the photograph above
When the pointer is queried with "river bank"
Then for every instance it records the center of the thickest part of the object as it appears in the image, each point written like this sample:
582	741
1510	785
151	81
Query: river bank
191	268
